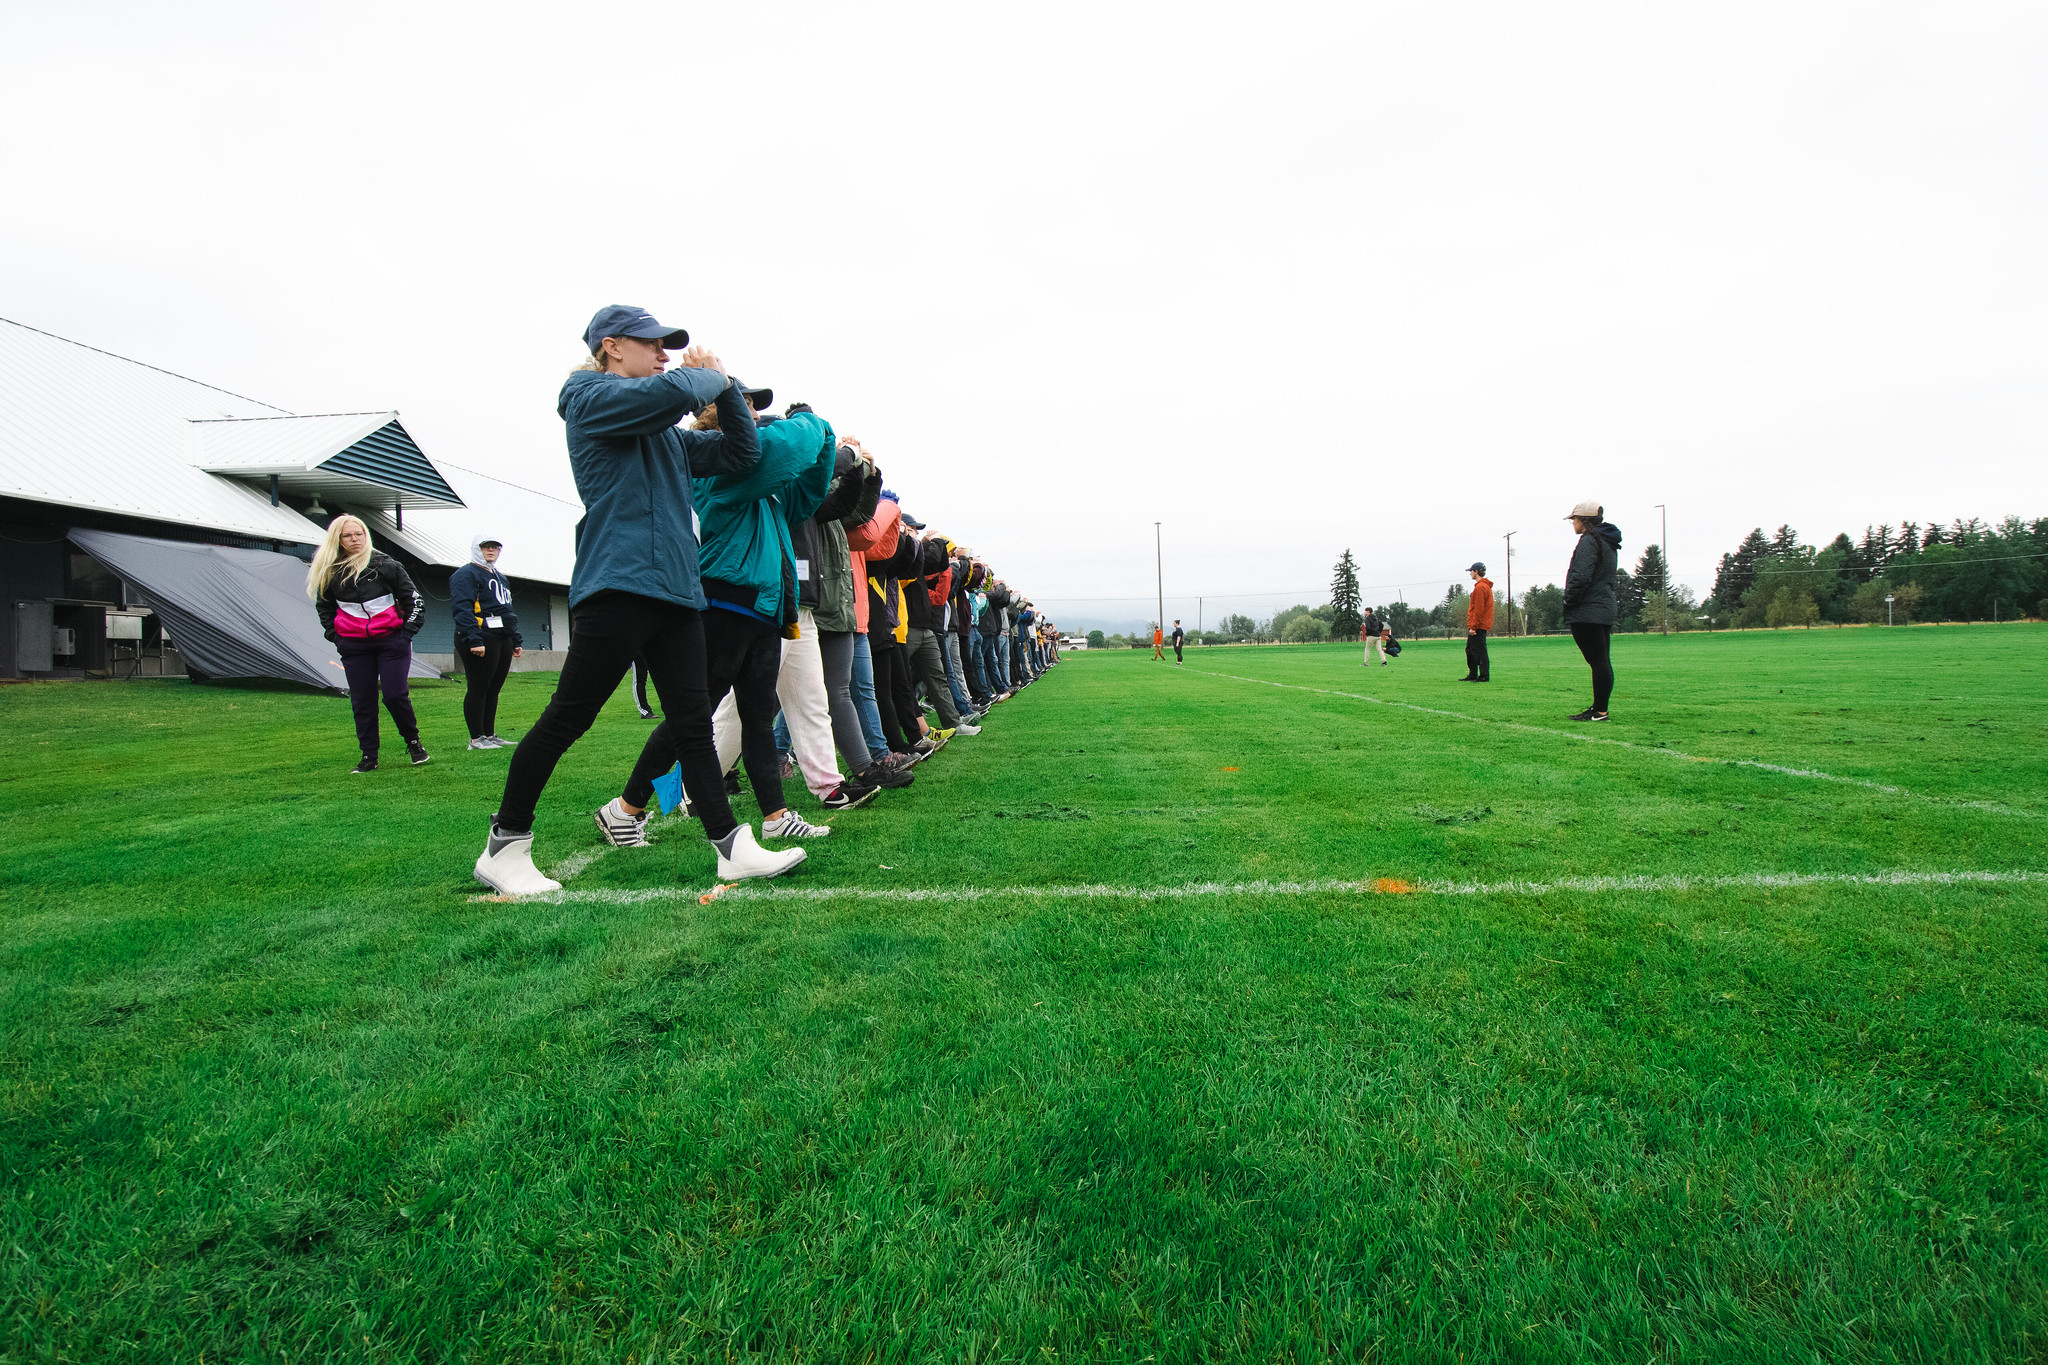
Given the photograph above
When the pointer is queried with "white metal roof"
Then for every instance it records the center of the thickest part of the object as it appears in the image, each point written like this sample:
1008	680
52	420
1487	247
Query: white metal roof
278	444
84	428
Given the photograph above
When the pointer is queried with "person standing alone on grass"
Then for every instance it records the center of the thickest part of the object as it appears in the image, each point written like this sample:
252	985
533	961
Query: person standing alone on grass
487	638
1158	642
1369	632
1590	603
1478	622
636	588
369	611
1179	638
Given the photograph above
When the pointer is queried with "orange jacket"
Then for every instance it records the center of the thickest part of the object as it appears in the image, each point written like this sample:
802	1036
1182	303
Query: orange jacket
1479	613
876	536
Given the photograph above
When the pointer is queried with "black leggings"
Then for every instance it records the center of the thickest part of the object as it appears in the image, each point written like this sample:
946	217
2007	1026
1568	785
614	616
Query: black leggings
607	630
485	674
893	695
742	656
1593	642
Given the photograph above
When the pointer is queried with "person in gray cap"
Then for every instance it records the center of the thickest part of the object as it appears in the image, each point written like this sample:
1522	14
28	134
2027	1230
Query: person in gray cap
1478	625
1590	602
636	589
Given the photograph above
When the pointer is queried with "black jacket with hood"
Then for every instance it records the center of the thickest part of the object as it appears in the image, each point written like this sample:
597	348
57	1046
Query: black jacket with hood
1589	595
478	594
382	598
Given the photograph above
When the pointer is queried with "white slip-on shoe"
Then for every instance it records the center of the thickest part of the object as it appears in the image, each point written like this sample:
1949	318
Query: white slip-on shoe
963	728
506	866
619	826
749	859
790	825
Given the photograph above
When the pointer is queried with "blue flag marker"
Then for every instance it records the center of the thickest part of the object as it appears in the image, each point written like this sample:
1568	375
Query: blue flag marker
668	789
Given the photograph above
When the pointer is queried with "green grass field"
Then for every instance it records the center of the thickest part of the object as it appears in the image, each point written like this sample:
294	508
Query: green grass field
1664	1053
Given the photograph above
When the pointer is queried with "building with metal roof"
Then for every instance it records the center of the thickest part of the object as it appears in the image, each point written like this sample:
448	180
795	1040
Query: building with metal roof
92	441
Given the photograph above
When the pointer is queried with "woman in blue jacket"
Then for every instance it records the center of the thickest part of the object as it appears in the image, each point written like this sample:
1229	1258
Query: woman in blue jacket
487	637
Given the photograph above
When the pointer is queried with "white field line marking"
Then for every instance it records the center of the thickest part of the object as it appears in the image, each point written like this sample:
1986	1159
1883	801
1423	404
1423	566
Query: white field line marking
582	858
1319	887
1780	768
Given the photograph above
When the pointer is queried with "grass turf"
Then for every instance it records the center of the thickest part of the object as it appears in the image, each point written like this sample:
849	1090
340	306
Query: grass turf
278	1086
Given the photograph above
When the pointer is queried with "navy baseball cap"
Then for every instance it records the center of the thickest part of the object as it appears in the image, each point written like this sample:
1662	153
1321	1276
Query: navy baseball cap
619	320
762	399
1477	567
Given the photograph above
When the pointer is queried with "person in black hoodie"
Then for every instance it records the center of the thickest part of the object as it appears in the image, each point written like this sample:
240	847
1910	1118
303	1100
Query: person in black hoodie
1590	601
487	638
369	611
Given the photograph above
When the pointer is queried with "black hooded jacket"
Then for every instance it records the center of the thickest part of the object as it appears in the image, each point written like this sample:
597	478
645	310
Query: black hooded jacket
1589	594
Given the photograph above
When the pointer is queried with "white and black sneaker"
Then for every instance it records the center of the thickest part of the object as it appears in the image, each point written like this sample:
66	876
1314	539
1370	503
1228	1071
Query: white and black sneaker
367	765
619	826
849	794
790	825
483	742
498	741
417	751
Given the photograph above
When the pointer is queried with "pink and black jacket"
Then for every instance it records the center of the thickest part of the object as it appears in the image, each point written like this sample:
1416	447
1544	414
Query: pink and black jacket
370	606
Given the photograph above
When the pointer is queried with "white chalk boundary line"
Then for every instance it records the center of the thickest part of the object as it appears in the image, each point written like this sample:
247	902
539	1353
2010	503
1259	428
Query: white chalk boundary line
1813	773
775	891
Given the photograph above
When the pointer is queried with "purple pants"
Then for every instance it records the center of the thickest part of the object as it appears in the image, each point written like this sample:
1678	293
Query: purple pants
378	665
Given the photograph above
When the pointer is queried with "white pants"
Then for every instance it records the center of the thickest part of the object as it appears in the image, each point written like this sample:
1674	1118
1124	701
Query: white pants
801	688
1375	646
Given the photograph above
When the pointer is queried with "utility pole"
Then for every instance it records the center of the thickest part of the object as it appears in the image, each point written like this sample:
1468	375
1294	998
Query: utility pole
1508	567
1159	567
1198	616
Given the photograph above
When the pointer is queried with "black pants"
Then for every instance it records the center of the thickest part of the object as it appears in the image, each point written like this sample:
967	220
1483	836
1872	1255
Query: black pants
378	666
742	656
607	630
1593	641
894	697
1475	655
1176	651
485	674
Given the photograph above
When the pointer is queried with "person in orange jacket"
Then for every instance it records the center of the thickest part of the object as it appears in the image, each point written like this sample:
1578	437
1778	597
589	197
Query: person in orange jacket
1478	621
1158	644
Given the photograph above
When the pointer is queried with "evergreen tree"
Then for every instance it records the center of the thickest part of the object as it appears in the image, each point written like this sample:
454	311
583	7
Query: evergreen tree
1650	575
1650	581
1785	543
1345	618
1933	536
1738	570
1909	539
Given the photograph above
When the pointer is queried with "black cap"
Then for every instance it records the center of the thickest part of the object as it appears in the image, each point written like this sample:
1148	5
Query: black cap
623	320
762	399
1477	567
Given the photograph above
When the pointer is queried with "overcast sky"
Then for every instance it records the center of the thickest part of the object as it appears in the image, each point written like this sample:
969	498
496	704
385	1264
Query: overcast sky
1286	278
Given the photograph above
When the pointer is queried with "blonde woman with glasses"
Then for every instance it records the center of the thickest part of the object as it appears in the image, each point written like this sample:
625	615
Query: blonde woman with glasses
370	612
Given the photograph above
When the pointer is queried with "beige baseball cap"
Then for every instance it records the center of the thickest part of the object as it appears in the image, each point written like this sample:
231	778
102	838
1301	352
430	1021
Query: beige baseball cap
1588	508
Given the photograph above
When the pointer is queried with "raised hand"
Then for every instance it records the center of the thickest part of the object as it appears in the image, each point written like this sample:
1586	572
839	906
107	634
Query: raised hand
701	358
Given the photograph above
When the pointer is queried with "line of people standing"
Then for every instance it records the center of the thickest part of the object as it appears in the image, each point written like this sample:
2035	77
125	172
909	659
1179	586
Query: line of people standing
812	607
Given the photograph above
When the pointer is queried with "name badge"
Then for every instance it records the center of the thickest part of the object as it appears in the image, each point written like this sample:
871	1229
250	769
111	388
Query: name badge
495	622
803	568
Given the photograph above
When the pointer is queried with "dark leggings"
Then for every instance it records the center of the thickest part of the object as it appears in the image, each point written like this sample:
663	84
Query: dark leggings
374	666
1593	641
485	674
893	697
1476	663
742	656
607	630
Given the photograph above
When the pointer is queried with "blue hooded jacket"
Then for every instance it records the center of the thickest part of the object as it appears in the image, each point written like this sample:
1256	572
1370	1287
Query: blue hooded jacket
633	469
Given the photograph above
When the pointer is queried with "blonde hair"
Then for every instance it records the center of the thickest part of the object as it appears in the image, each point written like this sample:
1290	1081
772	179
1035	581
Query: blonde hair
593	361
707	418
329	557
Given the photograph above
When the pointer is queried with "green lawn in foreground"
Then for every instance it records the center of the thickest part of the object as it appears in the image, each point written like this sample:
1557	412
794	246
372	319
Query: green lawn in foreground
278	1086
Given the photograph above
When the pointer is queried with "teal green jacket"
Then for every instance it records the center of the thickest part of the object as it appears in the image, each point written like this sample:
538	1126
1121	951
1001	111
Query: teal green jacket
743	517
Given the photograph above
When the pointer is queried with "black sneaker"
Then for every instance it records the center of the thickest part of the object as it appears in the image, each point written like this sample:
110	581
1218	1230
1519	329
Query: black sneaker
368	765
1589	714
417	750
885	775
849	794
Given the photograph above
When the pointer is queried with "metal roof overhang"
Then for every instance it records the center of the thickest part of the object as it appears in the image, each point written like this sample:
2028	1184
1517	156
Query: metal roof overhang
367	459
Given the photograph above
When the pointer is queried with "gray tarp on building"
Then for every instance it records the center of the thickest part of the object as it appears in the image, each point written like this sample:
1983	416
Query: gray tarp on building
231	613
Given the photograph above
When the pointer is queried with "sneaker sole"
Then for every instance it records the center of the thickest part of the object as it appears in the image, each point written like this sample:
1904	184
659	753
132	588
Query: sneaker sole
854	802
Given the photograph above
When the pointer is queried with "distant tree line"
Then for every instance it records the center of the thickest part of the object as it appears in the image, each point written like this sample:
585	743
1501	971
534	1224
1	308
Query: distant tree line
1966	571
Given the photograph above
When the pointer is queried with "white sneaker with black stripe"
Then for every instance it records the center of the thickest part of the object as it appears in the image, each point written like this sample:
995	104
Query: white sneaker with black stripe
790	825
619	826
